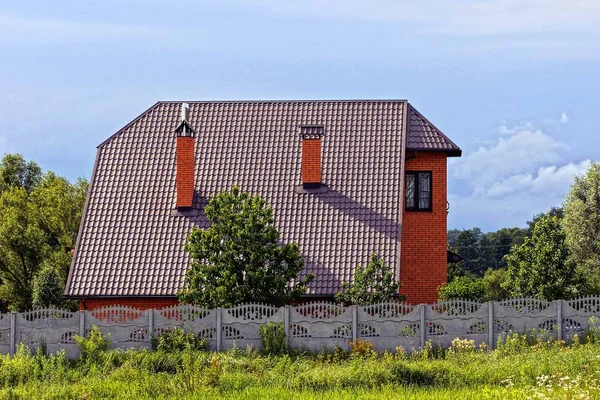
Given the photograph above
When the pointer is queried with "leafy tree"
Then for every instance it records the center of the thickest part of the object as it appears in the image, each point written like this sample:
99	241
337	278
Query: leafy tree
500	243
16	172
39	218
541	267
481	251
454	270
48	288
467	243
553	212
238	258
372	284
469	287
581	222
463	287
23	247
494	285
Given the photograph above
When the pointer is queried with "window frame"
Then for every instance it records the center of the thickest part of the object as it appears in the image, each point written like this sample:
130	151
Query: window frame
416	207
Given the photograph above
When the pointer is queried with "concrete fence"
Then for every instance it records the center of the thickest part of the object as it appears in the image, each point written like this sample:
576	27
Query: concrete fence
311	326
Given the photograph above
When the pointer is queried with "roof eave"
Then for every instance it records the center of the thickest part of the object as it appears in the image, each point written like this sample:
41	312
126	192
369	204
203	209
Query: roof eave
84	297
449	152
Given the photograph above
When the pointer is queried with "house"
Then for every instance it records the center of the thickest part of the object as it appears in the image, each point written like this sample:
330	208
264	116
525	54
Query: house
345	179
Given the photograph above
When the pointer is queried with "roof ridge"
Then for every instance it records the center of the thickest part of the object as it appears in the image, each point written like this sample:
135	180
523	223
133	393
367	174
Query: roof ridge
286	101
162	102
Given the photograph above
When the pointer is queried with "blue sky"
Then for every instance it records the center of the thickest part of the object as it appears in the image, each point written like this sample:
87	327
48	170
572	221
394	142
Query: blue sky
515	83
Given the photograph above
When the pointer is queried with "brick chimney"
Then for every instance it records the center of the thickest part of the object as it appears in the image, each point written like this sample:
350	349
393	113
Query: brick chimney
311	155
186	164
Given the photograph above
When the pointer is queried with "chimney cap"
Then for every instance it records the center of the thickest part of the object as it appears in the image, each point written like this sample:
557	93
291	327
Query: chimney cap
185	111
184	128
312	131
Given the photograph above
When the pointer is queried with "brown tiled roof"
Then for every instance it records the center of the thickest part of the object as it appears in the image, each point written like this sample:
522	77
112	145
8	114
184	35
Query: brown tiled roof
131	239
424	136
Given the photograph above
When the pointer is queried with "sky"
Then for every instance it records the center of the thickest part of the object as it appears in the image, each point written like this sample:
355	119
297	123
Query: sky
516	84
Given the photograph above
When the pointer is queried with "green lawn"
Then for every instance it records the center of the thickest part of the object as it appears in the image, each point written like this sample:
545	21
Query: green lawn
543	371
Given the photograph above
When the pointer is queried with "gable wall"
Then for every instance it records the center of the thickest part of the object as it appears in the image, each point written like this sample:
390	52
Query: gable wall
423	255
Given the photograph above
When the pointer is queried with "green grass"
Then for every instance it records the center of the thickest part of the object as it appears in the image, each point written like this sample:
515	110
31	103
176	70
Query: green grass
514	371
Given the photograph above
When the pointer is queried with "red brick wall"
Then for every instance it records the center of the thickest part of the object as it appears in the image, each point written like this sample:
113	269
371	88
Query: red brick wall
311	161
185	171
423	254
143	303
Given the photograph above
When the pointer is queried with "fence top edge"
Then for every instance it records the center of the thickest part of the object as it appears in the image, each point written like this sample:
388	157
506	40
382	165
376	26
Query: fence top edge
120	307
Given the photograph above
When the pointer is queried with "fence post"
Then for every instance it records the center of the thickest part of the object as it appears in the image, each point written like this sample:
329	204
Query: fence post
286	325
354	323
491	326
423	326
150	327
13	333
559	319
219	328
82	323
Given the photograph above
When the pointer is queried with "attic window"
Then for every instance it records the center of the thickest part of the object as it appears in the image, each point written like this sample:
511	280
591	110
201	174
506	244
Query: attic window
418	191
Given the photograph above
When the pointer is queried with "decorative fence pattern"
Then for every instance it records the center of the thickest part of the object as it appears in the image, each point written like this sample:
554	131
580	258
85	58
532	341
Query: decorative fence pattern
311	326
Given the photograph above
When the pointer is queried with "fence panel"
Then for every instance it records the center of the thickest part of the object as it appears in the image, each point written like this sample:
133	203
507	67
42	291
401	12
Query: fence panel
453	319
125	327
578	315
241	324
525	315
197	320
57	328
390	325
320	325
4	333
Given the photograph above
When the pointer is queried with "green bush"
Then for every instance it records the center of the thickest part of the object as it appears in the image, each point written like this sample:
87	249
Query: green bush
273	339
92	347
463	287
361	348
27	366
177	340
48	288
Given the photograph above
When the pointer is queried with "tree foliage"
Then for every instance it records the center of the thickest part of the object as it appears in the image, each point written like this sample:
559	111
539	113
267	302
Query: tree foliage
491	287
494	282
463	287
372	284
15	172
581	222
238	258
541	266
553	212
481	251
48	288
39	219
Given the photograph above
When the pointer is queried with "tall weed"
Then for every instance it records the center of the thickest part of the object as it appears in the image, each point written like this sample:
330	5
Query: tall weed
273	338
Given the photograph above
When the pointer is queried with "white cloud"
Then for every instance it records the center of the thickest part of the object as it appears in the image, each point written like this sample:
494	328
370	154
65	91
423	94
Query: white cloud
523	172
564	118
517	150
547	179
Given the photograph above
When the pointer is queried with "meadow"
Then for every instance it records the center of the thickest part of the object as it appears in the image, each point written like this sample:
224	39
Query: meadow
519	368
